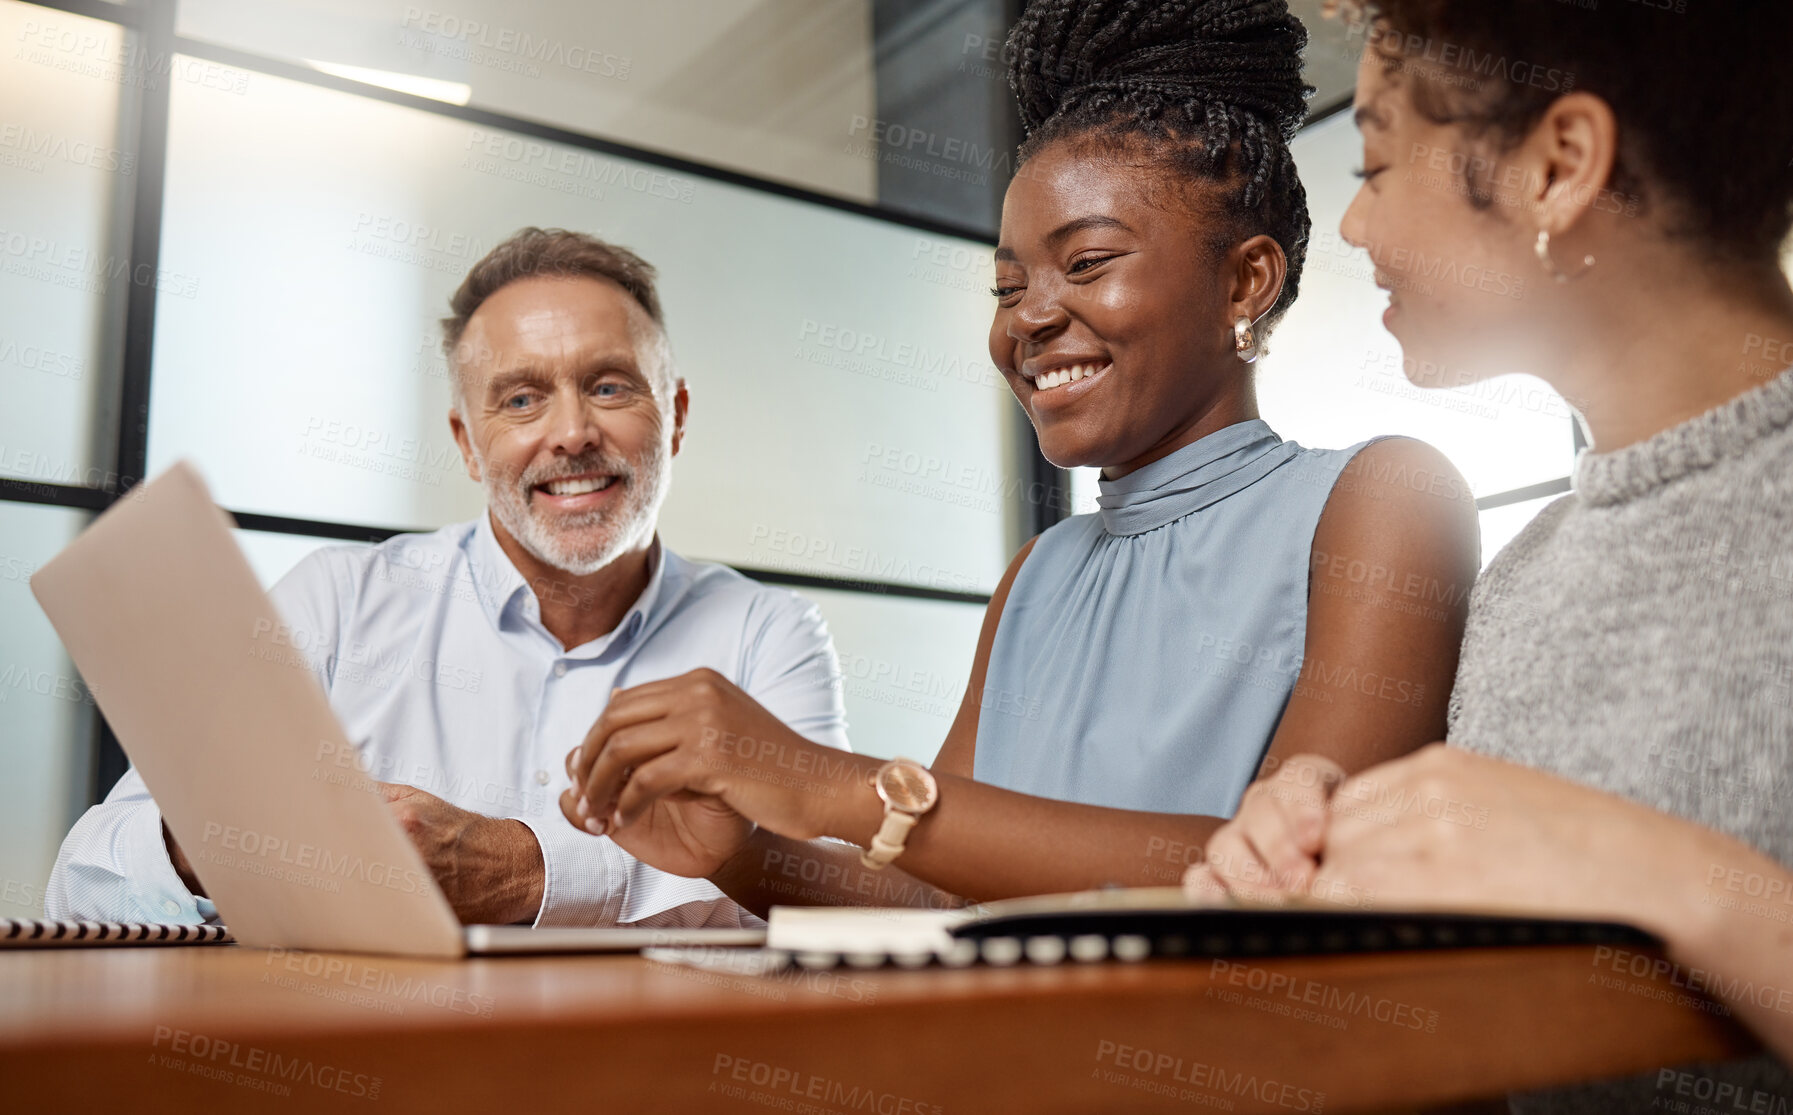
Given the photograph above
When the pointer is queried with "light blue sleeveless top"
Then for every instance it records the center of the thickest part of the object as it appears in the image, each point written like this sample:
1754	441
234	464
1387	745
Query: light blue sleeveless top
1146	652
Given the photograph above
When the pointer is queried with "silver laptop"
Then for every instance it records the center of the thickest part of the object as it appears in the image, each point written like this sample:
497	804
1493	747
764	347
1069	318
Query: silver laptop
166	621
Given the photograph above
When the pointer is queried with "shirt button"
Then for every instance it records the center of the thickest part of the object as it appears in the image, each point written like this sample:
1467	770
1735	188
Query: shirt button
541	778
560	669
171	907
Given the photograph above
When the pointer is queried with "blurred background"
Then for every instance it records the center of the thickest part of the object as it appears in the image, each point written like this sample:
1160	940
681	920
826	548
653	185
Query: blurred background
228	227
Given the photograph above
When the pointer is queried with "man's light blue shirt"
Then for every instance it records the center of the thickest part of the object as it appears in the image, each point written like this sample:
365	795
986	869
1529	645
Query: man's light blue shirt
432	652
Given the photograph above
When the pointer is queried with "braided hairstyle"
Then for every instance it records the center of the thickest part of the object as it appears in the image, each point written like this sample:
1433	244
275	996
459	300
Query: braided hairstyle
1209	90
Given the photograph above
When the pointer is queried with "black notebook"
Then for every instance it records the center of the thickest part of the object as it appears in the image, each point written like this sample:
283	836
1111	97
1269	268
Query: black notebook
42	932
1128	925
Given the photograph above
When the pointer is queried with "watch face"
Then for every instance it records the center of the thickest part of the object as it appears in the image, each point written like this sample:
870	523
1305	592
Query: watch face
908	787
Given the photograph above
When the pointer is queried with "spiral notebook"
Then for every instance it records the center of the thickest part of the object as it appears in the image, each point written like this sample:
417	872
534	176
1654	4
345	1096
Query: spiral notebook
1126	925
53	933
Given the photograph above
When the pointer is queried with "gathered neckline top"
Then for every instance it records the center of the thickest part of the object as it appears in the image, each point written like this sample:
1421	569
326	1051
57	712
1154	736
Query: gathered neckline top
1198	475
1145	653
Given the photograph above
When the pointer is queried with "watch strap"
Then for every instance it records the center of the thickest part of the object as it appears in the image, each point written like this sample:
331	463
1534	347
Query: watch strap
892	834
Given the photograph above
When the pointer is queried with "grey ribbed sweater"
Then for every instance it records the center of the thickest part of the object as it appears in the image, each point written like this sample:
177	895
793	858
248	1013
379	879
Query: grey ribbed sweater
1637	636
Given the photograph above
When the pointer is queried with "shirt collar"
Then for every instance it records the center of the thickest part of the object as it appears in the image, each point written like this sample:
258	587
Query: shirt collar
502	592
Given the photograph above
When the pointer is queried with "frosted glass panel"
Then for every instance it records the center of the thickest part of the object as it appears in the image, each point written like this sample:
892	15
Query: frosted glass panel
1333	374
845	417
46	712
904	664
66	174
273	555
769	87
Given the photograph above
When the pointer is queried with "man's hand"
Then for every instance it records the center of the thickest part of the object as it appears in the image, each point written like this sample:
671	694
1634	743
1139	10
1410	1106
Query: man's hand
679	771
491	869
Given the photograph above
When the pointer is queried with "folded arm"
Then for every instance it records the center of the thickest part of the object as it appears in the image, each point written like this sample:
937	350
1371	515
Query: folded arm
117	865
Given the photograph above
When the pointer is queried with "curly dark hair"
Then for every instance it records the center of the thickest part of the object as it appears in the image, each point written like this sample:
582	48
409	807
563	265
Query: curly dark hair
1209	90
1699	89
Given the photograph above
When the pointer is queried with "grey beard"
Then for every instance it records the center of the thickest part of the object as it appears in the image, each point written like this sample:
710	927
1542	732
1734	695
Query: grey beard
643	492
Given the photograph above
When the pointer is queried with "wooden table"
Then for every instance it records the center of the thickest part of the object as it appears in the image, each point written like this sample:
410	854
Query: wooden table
238	1029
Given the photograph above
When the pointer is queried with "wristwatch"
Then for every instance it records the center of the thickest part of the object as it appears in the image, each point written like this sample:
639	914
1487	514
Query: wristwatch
908	791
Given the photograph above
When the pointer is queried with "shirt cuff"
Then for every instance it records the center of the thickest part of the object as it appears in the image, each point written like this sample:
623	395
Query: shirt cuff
155	886
587	880
580	884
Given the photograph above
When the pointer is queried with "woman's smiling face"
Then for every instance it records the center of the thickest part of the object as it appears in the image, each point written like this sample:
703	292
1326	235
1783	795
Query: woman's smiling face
1112	314
1465	288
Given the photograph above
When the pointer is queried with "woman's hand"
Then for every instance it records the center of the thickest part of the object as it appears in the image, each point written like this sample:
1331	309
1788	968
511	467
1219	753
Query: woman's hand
679	771
1270	850
1442	827
1448	828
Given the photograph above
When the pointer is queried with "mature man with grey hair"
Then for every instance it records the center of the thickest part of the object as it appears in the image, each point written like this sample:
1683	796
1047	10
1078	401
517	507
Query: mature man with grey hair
464	664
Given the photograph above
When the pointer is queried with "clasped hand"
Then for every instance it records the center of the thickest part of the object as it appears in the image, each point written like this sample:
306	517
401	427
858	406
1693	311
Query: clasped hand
678	773
1446	827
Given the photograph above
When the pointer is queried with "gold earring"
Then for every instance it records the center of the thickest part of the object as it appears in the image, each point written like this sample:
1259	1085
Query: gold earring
1542	247
1245	343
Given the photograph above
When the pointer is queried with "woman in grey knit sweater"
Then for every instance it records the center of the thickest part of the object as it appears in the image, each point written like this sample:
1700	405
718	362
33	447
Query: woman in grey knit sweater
1621	730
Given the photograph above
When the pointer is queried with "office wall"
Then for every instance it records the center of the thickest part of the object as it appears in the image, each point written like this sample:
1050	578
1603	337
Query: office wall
45	712
846	427
766	87
67	163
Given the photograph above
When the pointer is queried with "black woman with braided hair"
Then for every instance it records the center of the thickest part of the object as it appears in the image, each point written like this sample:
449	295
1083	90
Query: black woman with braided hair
1237	599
